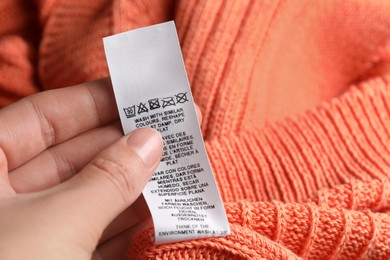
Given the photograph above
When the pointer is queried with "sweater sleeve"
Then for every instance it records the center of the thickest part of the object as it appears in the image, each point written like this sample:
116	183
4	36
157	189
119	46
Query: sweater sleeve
19	39
315	186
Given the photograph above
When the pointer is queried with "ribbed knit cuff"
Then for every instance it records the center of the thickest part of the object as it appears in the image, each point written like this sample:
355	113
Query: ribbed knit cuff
339	141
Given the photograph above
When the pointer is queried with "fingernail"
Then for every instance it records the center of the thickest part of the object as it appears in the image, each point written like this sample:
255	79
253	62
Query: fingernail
147	143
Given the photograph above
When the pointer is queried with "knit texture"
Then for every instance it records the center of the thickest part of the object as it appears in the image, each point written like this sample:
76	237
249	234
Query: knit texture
295	96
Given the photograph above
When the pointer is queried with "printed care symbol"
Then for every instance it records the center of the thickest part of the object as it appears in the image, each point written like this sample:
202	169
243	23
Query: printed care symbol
154	104
129	111
181	97
168	101
142	108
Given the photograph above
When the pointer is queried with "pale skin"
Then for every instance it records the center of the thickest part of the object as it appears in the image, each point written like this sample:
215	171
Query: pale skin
70	182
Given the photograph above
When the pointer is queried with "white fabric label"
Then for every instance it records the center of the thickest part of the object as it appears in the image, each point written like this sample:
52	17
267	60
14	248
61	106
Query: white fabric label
152	90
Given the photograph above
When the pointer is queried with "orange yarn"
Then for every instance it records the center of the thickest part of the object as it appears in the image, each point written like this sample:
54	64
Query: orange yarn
295	98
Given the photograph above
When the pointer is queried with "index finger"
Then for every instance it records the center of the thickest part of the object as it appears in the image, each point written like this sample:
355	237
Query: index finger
35	123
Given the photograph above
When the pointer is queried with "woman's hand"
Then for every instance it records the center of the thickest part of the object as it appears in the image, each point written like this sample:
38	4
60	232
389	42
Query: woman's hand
46	139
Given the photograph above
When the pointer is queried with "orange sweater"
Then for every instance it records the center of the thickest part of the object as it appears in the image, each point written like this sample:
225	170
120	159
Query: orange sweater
295	97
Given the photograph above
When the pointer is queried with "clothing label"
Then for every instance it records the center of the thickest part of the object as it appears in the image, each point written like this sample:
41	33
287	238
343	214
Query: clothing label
152	90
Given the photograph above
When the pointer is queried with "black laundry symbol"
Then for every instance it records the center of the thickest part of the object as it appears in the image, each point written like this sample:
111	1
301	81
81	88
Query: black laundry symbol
168	101
181	97
154	103
142	108
129	111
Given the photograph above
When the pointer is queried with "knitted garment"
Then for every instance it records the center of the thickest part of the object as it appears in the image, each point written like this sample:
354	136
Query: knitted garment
295	96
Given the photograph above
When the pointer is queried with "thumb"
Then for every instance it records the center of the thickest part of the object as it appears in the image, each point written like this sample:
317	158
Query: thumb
110	183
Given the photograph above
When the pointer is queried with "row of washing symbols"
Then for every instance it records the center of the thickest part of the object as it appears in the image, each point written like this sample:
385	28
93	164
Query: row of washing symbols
155	103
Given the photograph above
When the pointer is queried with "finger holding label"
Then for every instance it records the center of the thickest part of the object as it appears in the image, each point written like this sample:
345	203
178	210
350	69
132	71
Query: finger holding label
53	117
